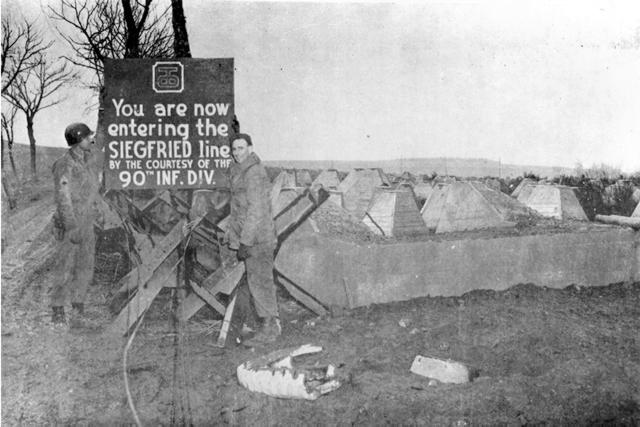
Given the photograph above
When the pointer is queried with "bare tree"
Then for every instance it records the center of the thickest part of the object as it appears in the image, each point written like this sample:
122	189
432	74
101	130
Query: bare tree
8	182
22	45
113	29
37	90
180	36
8	120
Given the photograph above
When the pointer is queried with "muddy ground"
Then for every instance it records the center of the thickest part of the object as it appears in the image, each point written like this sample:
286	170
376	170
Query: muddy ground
538	356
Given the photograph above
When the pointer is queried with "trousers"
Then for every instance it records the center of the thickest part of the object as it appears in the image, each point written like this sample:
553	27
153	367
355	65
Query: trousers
259	267
77	268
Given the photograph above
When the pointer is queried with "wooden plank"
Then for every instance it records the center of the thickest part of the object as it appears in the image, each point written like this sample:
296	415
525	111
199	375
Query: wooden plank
226	282
140	302
208	297
231	279
144	272
205	233
144	212
160	197
220	281
144	244
152	277
302	296
176	197
632	222
226	323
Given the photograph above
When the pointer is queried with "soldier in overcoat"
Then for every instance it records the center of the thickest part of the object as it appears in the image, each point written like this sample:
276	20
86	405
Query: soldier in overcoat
76	186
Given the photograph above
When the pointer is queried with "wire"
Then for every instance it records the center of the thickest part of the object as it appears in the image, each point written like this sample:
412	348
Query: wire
125	353
179	359
127	226
130	341
126	377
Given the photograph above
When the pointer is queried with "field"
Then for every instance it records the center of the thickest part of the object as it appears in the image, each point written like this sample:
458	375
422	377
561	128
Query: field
538	356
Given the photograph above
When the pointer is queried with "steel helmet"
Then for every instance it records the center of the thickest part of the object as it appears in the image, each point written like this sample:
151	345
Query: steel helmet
76	132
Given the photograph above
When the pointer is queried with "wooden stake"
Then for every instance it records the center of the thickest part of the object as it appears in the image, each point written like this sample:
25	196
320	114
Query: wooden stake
226	322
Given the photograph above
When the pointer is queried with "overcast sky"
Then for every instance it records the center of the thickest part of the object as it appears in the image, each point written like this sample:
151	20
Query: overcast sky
537	83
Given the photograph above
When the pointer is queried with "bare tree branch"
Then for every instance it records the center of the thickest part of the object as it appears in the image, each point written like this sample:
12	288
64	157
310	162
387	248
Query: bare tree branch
110	29
36	90
21	45
8	120
181	37
8	137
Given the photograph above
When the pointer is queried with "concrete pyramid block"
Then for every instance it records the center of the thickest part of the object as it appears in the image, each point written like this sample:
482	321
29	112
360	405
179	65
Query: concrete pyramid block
523	184
284	180
302	178
464	206
554	201
434	206
336	197
328	179
359	187
467	209
394	212
508	208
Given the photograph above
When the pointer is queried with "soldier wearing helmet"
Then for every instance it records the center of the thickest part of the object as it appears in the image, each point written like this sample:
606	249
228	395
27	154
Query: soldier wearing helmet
76	192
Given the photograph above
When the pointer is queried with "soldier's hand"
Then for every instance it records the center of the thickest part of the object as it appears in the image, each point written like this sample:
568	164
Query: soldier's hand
243	252
74	236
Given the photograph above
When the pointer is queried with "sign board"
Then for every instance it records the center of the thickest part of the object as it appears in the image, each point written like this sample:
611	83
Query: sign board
167	122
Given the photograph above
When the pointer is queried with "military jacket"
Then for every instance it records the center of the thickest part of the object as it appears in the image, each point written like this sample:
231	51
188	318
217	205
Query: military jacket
251	219
76	187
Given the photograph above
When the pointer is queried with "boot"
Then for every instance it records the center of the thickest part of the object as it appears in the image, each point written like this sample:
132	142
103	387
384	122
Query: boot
268	333
58	315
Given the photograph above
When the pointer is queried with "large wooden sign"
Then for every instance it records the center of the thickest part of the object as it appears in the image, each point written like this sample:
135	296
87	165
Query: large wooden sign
167	122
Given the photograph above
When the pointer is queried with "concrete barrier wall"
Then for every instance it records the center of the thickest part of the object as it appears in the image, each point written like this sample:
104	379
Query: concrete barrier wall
352	275
317	264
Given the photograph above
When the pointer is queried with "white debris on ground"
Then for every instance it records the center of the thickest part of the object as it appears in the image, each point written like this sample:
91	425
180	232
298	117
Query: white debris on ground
445	371
275	375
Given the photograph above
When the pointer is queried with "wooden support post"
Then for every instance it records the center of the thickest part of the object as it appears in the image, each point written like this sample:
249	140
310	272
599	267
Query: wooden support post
152	277
160	271
207	296
159	255
161	197
148	272
222	281
226	323
633	222
141	301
